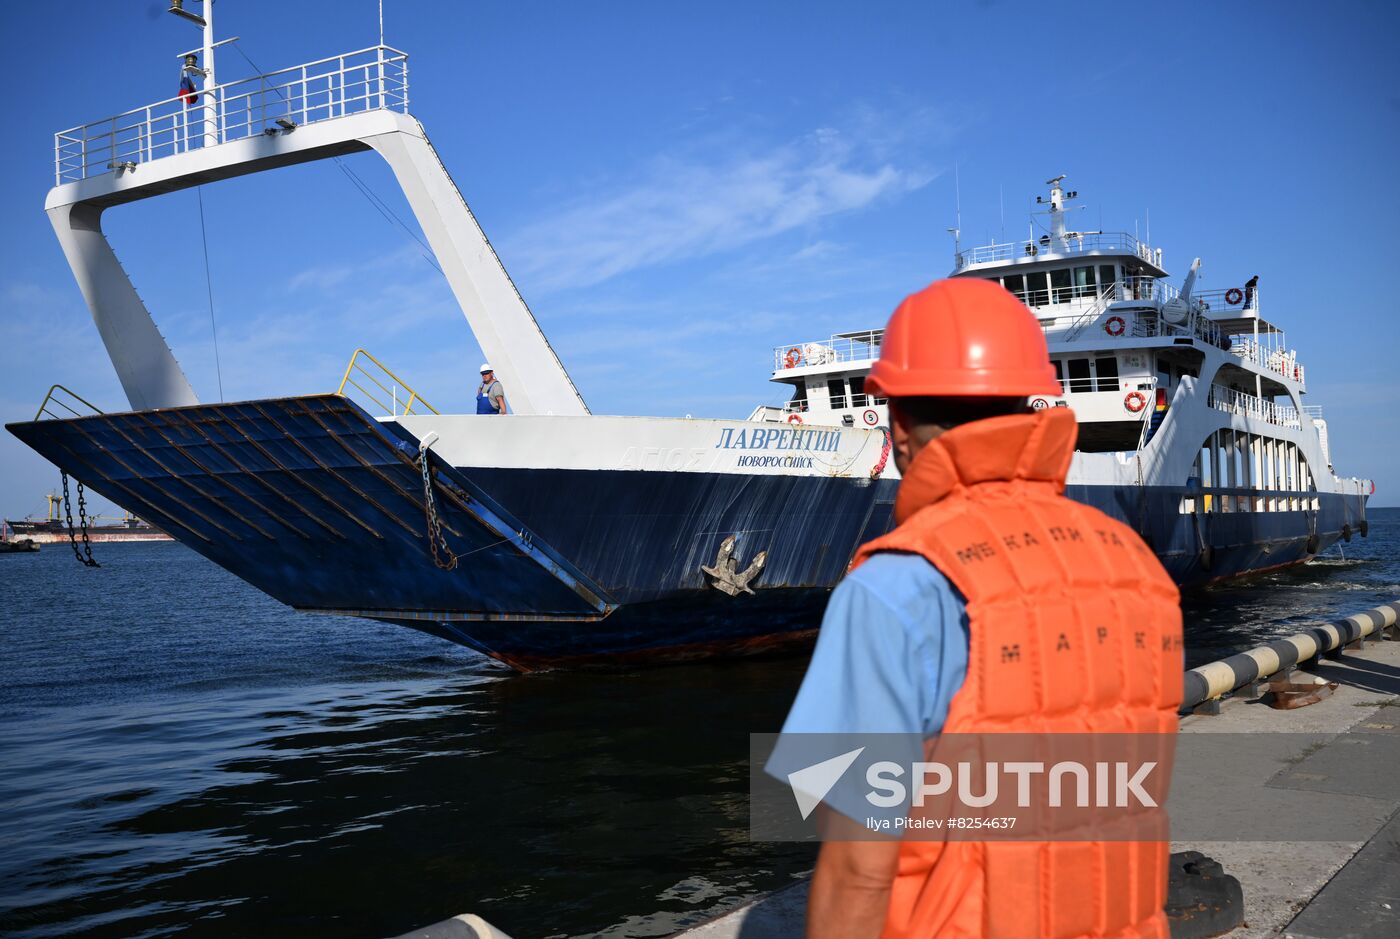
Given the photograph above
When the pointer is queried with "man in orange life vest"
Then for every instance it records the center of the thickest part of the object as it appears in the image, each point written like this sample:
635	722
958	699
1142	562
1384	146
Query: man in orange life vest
915	639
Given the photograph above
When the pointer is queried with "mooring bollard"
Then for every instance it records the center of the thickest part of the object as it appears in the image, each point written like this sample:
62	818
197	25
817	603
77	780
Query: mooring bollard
1206	683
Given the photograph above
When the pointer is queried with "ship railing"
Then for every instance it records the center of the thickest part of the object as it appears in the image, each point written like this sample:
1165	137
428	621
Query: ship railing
1149	290
1240	499
1137	325
846	347
1244	404
1091	313
62	403
1117	242
837	403
1274	360
368	376
1229	300
276	102
1313	411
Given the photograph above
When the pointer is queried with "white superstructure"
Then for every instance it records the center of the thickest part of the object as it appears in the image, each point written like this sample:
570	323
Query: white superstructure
1131	350
326	108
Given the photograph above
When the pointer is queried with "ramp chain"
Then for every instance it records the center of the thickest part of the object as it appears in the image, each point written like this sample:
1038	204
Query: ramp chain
89	560
443	556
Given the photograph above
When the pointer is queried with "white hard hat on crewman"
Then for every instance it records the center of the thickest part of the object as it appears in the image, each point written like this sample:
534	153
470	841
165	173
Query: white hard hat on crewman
486	368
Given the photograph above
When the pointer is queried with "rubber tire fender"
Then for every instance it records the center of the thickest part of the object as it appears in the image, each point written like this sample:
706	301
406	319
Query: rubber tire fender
1364	527
1346	532
1311	547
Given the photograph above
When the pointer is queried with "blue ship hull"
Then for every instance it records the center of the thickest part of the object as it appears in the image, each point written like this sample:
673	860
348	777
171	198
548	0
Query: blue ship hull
319	505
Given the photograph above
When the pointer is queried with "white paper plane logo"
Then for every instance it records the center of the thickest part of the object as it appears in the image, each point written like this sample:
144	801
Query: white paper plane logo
810	785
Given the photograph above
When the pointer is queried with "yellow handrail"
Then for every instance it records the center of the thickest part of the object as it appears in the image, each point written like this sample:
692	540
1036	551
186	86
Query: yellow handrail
50	399
392	407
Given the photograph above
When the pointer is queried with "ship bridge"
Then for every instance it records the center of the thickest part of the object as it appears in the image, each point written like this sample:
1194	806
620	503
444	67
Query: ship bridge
351	102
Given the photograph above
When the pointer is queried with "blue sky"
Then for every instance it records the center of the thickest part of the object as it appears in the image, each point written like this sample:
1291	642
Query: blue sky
677	188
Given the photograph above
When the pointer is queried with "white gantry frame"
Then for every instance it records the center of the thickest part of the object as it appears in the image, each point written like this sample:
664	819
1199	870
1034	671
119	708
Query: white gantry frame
336	106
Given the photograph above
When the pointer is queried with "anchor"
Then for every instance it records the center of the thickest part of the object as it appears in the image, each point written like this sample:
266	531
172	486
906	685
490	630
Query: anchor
726	576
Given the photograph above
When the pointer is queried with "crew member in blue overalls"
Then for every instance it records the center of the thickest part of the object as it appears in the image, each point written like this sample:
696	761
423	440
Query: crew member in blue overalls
490	396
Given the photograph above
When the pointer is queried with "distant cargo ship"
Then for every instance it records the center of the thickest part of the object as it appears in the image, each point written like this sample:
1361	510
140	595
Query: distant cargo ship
53	528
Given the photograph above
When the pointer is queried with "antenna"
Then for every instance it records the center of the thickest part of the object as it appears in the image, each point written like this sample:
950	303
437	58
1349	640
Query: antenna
381	22
209	83
1001	199
957	195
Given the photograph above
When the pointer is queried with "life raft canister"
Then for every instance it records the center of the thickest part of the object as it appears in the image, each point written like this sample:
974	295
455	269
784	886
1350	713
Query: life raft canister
1233	296
1115	326
1135	401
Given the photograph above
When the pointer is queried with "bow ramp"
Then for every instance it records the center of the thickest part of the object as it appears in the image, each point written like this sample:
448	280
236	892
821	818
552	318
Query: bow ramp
317	503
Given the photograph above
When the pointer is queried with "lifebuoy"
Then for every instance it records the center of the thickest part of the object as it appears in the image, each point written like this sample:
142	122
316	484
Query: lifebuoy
1233	296
1115	326
1135	401
794	355
794	418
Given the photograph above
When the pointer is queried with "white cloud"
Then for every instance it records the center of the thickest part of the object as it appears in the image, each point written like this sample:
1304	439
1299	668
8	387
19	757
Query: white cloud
715	197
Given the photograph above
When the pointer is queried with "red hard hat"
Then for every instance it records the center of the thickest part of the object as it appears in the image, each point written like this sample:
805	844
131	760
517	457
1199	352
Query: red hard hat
962	337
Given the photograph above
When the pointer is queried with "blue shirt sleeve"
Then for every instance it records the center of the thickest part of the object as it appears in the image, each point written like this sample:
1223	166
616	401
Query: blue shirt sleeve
891	653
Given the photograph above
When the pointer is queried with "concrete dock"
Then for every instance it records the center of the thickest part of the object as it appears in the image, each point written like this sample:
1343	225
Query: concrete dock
1302	890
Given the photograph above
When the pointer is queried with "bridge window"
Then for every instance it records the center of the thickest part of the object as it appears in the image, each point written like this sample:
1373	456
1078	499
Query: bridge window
1016	283
1107	274
1084	282
1106	370
1037	289
799	398
858	398
1060	291
1079	379
836	388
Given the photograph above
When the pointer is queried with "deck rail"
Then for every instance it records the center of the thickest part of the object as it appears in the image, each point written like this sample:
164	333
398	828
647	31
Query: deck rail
393	399
843	347
1230	300
1115	242
1274	360
1247	405
62	403
272	103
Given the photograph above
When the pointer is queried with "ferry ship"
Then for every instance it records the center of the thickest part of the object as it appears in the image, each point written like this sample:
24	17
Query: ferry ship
1192	426
554	536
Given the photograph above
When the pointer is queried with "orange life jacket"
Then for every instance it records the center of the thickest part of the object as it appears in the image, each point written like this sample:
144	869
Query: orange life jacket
1074	628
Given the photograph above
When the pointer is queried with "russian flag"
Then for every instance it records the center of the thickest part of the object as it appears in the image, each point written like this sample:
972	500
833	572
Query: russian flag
187	92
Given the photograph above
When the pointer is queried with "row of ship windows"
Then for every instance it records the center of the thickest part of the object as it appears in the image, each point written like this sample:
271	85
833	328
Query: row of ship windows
1243	472
840	397
1101	373
1060	285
